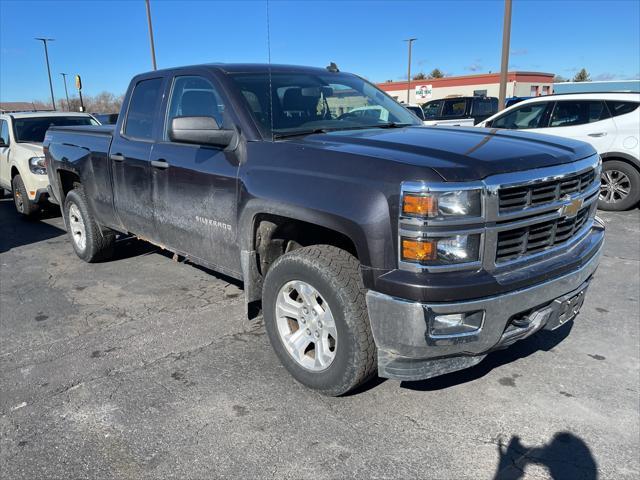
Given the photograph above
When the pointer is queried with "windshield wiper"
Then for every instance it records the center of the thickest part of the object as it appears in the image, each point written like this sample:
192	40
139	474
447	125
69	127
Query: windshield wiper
300	132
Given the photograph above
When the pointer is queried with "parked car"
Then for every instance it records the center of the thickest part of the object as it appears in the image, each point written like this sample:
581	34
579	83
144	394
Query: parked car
22	167
106	118
459	111
513	100
369	244
608	121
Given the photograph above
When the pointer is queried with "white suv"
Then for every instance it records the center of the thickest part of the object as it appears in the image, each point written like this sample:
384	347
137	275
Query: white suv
608	121
22	168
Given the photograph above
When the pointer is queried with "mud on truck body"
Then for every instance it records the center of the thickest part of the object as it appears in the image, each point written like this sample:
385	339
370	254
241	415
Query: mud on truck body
371	246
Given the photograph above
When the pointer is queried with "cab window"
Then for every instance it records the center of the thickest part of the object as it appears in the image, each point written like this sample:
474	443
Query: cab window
4	132
454	108
194	96
432	109
142	109
570	113
524	117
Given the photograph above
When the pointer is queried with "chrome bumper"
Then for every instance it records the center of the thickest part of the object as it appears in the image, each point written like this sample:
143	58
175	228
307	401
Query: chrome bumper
407	350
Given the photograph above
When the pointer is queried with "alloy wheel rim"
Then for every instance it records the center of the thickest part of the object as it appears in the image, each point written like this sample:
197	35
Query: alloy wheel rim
306	326
77	227
615	186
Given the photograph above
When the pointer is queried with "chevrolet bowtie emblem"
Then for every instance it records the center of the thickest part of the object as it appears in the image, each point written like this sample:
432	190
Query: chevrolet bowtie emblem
572	208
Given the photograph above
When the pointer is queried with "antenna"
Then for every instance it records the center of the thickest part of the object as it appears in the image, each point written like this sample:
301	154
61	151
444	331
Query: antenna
269	57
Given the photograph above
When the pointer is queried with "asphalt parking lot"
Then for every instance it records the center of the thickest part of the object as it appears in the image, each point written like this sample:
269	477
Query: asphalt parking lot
143	367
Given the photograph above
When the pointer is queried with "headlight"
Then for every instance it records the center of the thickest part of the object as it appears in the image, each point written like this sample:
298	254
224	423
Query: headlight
37	165
441	250
434	205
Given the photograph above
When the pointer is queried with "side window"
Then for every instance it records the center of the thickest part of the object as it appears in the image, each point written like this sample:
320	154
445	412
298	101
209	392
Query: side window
484	106
526	116
194	96
4	131
621	108
432	109
454	108
142	109
567	114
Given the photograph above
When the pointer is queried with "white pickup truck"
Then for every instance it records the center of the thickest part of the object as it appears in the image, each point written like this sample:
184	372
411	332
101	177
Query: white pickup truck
22	167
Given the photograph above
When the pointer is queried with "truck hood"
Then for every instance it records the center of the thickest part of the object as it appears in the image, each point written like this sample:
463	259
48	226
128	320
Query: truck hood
457	154
31	149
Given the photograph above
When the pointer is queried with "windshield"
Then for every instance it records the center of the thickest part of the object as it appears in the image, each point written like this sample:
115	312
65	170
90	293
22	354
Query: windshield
316	102
32	129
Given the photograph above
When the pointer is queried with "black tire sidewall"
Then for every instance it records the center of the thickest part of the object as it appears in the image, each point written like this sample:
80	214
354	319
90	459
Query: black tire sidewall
28	207
76	198
634	195
339	374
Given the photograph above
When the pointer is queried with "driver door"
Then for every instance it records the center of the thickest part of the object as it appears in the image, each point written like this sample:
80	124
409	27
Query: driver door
5	177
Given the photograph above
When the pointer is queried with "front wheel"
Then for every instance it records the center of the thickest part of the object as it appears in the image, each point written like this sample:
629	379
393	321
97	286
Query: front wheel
21	200
90	243
316	318
619	187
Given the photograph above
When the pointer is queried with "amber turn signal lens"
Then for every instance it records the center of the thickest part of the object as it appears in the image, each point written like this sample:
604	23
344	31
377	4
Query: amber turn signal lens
418	250
421	205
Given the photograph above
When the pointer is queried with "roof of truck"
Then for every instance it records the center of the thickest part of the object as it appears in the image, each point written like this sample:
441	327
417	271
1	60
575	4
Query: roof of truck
246	68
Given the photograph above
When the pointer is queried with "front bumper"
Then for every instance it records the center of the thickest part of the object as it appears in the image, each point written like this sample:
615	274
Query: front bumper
407	350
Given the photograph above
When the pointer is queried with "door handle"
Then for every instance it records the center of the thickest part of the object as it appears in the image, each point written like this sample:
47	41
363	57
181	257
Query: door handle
117	157
598	134
162	164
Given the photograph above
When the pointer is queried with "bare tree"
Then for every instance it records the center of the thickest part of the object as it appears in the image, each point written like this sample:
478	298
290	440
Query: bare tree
420	76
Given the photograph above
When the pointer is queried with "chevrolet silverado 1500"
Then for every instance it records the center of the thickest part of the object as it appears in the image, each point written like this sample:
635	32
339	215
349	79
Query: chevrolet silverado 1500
371	244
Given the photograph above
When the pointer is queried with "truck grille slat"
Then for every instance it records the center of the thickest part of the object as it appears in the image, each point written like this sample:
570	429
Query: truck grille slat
513	244
517	198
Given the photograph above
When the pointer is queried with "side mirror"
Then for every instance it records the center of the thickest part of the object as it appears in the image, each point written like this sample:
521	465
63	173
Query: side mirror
200	131
488	124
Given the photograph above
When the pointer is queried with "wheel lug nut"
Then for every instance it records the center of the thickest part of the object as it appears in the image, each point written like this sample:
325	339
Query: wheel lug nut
305	310
303	320
319	324
316	334
308	332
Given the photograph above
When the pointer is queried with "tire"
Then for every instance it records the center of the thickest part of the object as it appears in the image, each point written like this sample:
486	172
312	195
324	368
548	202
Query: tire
620	189
333	274
24	206
89	241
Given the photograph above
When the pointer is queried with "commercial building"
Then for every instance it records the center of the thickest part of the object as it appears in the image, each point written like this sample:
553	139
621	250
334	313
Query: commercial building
519	84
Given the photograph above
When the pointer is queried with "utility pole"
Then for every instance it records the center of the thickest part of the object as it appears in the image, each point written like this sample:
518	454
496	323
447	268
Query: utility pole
66	92
46	56
153	48
409	41
504	66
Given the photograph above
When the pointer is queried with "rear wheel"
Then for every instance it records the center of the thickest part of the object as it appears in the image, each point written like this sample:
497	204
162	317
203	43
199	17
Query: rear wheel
316	318
620	186
21	200
90	242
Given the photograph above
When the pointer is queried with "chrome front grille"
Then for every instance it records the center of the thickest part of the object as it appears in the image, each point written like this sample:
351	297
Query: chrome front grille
516	198
520	242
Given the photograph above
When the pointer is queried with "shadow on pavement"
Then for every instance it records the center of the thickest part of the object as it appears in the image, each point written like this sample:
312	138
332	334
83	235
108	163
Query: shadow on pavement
16	230
544	340
566	456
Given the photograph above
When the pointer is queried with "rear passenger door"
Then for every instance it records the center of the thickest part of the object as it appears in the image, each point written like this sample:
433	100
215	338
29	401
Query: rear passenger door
586	120
129	157
194	186
5	177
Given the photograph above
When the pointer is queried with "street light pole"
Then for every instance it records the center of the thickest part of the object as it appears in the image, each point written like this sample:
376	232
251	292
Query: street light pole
46	55
66	92
153	48
504	66
409	41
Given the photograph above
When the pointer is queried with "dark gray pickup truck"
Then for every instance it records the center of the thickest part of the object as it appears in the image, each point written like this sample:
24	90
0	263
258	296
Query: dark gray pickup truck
371	243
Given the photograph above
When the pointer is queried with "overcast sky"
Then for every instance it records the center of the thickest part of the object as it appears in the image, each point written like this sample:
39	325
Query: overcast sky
107	41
